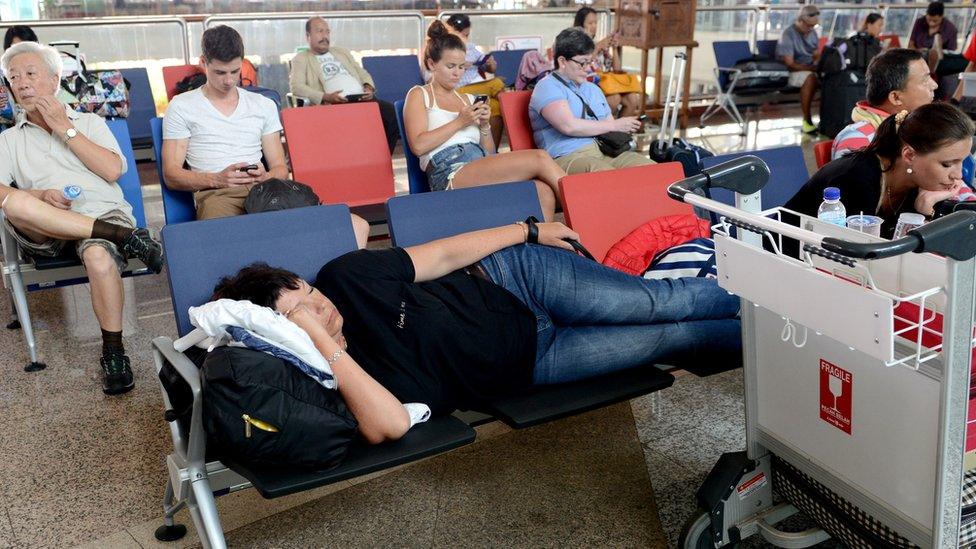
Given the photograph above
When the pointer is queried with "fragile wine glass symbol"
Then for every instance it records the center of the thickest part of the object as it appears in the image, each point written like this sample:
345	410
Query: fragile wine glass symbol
836	386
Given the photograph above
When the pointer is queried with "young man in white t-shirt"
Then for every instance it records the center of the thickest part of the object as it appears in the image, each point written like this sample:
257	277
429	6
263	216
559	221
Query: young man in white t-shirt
221	132
330	75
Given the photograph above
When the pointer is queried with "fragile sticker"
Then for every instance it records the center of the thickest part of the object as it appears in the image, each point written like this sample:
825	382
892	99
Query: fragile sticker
836	395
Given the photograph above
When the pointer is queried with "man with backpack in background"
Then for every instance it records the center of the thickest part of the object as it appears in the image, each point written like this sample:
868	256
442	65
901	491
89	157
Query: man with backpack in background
797	49
897	80
329	75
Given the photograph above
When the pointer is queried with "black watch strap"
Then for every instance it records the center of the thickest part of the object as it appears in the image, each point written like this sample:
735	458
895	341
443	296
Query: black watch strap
533	235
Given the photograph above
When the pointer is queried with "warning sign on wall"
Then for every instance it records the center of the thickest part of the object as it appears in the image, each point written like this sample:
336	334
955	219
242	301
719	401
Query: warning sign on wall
836	395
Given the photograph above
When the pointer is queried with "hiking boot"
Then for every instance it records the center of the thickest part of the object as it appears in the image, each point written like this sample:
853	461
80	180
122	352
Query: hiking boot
117	374
142	247
809	127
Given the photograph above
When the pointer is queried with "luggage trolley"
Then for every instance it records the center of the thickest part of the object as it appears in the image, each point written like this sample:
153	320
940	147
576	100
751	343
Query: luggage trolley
857	370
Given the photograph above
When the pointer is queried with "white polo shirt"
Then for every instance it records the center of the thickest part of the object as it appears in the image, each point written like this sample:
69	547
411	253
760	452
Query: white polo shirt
35	159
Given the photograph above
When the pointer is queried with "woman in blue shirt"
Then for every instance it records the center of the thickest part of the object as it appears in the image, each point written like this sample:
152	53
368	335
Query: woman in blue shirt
556	111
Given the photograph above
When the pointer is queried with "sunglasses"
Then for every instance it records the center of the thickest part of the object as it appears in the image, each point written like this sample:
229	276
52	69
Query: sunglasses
814	14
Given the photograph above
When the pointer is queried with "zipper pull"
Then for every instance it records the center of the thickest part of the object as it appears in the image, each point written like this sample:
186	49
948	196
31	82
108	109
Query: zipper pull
247	425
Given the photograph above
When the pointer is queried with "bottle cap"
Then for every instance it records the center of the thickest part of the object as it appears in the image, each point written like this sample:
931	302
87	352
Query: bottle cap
831	193
71	192
911	218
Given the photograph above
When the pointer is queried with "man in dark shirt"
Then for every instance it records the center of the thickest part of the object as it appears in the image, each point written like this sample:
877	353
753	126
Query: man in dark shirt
457	321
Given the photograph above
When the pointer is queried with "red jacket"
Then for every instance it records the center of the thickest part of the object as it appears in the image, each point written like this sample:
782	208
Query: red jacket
634	253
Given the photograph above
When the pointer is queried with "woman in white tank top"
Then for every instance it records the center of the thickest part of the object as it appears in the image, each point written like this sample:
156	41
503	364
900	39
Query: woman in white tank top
451	133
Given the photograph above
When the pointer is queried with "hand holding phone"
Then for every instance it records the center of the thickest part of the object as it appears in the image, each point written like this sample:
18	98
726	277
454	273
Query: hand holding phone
248	168
480	99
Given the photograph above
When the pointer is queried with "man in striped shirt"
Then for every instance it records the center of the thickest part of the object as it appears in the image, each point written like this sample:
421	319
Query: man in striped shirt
897	80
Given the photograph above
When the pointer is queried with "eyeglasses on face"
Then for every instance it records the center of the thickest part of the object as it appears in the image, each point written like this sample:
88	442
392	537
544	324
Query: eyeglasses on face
582	64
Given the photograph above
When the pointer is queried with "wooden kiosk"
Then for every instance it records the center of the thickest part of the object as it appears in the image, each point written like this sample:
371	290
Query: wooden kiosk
648	24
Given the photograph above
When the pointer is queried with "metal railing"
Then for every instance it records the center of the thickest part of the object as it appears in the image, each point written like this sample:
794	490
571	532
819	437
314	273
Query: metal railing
544	23
271	38
108	50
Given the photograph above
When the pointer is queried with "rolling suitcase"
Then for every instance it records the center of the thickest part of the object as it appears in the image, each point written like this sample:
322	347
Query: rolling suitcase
840	92
667	147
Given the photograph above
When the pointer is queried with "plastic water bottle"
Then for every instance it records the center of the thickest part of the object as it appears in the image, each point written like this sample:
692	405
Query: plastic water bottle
71	192
831	210
906	222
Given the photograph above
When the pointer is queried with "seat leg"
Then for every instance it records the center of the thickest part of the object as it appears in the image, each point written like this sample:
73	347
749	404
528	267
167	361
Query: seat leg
712	109
23	314
203	509
14	321
170	531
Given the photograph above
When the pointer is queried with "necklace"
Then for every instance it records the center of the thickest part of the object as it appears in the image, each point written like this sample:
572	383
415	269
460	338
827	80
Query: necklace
887	188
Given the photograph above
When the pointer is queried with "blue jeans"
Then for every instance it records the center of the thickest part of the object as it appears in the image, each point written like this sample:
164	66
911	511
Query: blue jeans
592	320
446	163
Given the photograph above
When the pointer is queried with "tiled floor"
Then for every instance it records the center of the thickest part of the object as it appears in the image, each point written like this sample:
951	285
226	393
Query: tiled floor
82	468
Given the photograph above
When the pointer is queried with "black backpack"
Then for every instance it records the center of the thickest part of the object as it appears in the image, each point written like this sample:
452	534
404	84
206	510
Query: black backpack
258	409
279	194
854	53
191	82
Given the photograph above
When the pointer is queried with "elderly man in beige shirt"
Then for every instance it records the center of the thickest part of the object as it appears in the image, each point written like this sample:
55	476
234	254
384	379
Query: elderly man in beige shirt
328	75
49	148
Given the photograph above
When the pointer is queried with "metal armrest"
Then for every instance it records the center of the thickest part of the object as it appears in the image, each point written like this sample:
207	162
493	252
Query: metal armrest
293	100
733	78
11	252
193	450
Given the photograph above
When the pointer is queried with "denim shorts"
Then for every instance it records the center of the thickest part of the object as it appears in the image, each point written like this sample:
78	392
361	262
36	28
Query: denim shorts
446	163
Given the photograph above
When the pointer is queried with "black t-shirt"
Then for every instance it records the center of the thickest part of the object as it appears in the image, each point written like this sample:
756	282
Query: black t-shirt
858	176
449	343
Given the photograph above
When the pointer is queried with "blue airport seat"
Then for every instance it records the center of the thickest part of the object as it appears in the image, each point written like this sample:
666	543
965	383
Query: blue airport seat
787	173
394	75
415	219
416	177
727	54
27	274
130	183
198	255
419	218
508	64
142	107
178	206
270	93
767	48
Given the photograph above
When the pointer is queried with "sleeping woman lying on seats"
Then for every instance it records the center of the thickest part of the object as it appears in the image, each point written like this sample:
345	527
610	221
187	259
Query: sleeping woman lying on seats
462	320
451	133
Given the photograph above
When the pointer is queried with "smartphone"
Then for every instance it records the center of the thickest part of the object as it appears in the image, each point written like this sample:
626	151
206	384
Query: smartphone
355	97
642	118
480	99
248	168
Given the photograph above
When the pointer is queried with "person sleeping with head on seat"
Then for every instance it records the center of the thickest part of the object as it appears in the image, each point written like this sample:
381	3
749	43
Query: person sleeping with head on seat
457	322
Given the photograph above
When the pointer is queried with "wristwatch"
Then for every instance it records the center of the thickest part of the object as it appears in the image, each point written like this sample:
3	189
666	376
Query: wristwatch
69	133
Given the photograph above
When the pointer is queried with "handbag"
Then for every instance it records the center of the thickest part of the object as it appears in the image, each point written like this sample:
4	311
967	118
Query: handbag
612	144
613	83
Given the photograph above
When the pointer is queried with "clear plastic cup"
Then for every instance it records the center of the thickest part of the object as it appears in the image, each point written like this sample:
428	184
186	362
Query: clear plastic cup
906	222
870	224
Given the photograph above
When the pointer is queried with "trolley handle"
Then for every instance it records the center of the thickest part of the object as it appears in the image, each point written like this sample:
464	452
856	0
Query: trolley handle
953	236
744	175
